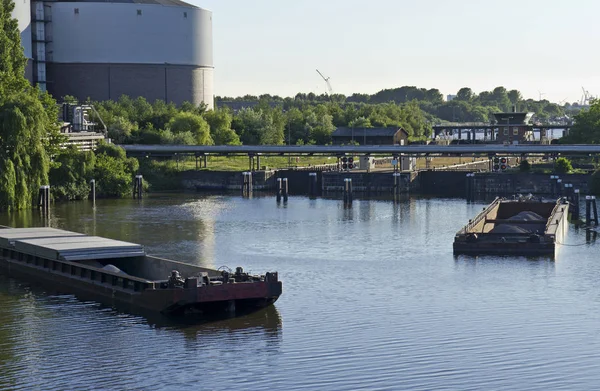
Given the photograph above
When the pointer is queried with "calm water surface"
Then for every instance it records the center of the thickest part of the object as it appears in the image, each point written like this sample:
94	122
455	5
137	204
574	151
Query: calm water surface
373	300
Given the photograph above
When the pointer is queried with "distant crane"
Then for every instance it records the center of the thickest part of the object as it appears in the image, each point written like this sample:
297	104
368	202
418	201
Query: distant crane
326	81
586	98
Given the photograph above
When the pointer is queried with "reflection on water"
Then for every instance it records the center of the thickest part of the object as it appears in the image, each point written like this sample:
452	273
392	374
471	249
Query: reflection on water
373	298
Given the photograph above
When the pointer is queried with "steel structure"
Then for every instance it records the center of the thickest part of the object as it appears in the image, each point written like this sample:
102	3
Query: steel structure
386	150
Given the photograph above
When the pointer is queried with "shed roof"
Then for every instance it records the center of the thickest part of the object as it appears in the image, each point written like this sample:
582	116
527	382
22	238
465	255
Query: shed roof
369	132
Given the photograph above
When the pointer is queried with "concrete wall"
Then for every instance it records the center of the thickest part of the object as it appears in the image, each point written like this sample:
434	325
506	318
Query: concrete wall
369	182
225	180
104	32
100	81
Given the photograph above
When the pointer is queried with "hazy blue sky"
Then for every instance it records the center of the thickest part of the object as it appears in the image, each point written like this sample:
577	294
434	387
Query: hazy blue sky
274	46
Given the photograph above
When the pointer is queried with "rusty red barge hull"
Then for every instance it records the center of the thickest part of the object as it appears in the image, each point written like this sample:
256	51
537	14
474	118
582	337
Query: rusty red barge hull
121	274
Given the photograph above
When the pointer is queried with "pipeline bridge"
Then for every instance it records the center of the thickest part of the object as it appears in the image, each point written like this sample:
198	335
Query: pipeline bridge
369	150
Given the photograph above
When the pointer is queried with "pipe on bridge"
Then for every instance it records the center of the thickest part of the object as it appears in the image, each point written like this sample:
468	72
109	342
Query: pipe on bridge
476	149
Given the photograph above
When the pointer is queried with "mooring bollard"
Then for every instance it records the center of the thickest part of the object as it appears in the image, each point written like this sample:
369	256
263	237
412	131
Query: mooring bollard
93	191
312	184
469	185
246	183
279	189
348	191
285	189
591	210
44	198
559	185
138	187
575	212
553	179
397	182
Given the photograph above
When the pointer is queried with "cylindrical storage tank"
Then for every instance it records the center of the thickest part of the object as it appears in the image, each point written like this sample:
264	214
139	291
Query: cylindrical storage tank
158	49
22	13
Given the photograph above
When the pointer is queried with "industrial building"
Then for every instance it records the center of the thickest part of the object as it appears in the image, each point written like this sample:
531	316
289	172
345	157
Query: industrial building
157	49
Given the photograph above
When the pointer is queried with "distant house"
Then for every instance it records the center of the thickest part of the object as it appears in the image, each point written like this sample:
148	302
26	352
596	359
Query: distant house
514	128
370	136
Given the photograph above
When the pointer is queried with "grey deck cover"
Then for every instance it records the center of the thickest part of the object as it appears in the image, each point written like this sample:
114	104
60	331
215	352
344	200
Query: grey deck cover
52	243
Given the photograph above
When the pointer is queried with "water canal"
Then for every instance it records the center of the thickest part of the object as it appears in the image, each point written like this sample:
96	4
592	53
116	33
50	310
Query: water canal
373	299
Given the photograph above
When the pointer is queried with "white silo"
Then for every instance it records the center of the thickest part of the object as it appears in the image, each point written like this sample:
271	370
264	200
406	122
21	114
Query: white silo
158	49
22	13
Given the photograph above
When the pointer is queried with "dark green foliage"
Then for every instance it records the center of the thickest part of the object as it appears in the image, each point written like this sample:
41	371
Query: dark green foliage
525	166
113	171
587	126
562	165
160	175
28	130
71	174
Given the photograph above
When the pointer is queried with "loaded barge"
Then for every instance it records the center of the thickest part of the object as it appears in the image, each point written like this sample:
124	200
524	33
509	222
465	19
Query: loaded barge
522	226
121	274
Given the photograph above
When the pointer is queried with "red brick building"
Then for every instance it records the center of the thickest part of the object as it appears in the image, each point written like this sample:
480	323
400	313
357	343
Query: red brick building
514	128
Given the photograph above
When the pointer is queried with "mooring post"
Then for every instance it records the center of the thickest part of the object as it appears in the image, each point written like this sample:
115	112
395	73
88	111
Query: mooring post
397	182
348	191
559	187
575	212
205	158
279	189
468	187
552	185
246	183
44	198
93	191
594	210
590	208
312	184
285	189
257	162
138	187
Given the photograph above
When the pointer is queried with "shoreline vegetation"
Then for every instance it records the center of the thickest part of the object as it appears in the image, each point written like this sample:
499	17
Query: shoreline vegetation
32	153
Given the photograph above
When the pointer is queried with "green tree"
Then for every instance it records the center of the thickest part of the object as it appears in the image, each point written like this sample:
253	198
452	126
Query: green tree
587	126
113	171
193	123
71	174
562	165
465	94
220	127
27	130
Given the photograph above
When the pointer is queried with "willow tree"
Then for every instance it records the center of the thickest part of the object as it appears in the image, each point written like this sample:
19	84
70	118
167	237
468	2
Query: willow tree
27	128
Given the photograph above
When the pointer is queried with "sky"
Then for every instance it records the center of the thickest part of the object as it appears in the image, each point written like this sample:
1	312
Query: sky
544	48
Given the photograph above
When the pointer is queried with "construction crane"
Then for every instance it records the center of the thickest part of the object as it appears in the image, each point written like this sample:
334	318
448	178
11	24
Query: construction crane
586	98
326	81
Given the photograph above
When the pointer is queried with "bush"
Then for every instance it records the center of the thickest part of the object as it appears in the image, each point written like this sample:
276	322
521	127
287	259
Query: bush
562	165
525	166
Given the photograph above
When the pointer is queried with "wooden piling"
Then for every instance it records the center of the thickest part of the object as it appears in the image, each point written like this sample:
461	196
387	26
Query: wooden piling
348	191
285	189
138	185
247	184
591	211
312	184
279	189
93	191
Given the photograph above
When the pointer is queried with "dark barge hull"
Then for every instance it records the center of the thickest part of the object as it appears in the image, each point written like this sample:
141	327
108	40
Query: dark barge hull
478	237
141	295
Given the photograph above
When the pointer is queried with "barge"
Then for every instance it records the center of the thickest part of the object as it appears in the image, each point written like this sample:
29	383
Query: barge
523	226
121	274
